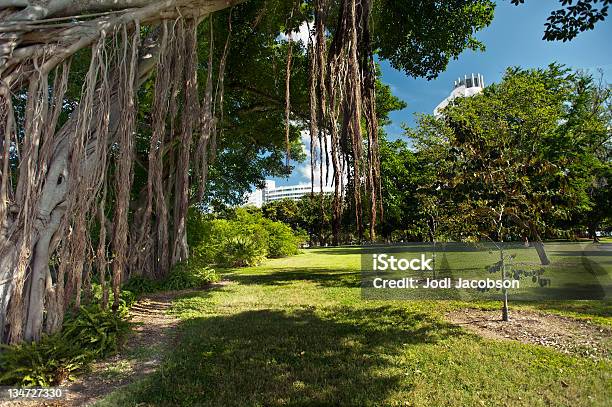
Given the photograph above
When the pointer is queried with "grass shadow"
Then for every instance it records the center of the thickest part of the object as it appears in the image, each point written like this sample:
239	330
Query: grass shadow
323	277
338	356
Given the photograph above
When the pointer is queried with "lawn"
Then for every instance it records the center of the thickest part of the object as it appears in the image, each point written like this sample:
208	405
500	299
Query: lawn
296	331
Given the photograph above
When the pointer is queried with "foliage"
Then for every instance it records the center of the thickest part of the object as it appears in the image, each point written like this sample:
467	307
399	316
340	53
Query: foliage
190	274
421	37
405	177
193	273
308	215
96	330
138	285
282	241
573	18
239	237
520	158
285	210
241	251
92	334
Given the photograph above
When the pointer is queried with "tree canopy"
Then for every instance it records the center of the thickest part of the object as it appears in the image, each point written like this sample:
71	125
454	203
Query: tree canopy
524	156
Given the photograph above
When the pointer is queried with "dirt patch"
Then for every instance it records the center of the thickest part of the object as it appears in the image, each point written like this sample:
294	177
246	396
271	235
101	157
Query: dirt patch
152	335
567	335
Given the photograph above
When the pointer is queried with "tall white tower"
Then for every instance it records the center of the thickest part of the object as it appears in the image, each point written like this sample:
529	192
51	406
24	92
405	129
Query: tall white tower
467	86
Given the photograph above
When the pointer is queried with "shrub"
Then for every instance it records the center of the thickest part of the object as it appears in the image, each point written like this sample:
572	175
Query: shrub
191	274
92	333
243	238
44	363
96	330
241	251
126	300
213	234
140	285
282	242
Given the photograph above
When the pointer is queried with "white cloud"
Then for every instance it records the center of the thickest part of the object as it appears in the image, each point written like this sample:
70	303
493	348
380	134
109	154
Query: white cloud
300	35
304	169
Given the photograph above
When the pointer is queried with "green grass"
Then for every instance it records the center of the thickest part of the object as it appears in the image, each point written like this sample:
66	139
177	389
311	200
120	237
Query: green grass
296	332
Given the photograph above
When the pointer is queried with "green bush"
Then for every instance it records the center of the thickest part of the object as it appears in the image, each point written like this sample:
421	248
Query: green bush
92	333
191	274
140	285
44	363
282	242
98	331
242	251
213	234
243	238
126	300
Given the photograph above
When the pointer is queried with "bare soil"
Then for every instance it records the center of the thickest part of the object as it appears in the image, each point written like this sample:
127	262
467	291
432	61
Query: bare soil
567	335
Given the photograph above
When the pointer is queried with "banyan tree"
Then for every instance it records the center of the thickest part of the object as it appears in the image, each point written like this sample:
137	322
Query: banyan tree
67	165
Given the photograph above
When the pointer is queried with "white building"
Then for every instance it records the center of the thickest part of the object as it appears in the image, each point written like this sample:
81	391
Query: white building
466	87
272	193
255	198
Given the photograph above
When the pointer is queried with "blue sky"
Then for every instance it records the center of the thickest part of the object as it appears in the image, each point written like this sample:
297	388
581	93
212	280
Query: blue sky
513	39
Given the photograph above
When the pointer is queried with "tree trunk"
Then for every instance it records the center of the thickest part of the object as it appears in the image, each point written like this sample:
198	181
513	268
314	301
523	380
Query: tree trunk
539	246
536	240
505	309
593	232
40	271
50	211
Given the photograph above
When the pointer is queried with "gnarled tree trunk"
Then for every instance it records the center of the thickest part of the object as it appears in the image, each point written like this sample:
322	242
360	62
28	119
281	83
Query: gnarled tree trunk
42	212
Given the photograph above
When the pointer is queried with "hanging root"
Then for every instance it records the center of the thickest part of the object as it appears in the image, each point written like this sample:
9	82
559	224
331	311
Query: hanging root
7	134
314	68
220	92
288	99
288	89
125	138
190	115
27	195
207	119
345	85
150	256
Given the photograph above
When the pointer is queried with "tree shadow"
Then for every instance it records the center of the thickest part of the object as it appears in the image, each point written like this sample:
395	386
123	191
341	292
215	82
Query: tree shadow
337	356
340	250
323	277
